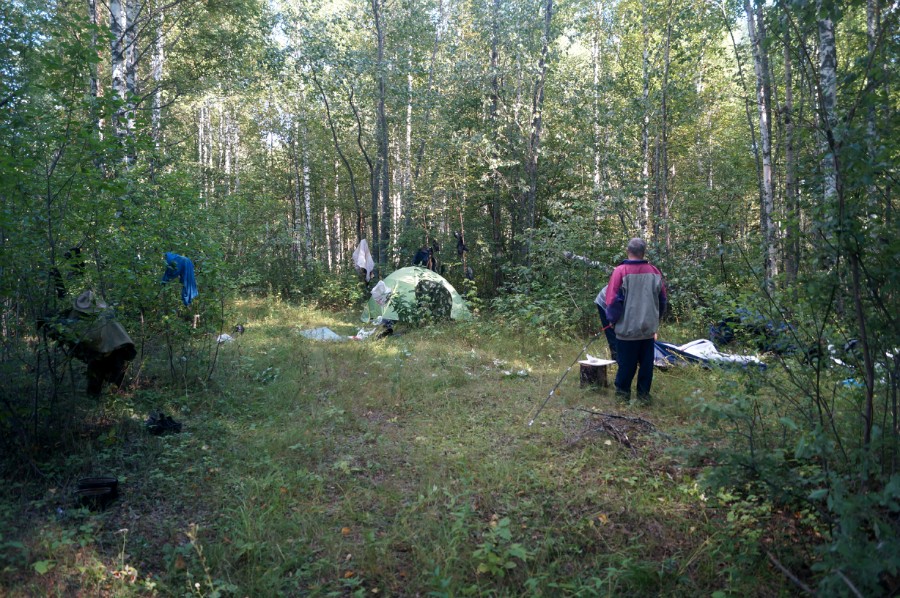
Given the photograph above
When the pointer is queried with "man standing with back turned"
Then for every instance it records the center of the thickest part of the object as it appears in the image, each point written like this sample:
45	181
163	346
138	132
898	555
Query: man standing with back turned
635	299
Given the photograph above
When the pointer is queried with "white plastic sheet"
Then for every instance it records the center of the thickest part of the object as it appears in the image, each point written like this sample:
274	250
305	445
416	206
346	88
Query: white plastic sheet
707	350
381	293
321	334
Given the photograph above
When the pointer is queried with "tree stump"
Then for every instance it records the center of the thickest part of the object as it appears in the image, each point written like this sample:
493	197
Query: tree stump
593	373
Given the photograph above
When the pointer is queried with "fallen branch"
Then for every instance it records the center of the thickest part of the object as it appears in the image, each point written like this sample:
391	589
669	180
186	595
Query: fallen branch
791	576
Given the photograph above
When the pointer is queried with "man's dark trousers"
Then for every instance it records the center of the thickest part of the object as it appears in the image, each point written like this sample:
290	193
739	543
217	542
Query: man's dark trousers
631	356
610	333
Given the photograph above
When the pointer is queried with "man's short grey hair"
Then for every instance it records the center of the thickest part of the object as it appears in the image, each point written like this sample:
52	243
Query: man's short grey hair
637	247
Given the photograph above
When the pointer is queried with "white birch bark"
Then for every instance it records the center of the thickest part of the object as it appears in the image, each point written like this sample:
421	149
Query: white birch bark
645	124
117	67
225	141
156	68
873	26
537	123
131	57
792	252
828	85
95	92
756	29
235	151
326	222
595	96
221	137
407	174
297	196
338	224
383	140
664	138
307	193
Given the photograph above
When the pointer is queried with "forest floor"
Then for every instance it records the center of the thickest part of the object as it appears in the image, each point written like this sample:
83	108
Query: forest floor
399	467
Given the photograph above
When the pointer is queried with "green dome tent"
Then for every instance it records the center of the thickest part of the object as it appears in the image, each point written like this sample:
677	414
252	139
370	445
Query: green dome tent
416	286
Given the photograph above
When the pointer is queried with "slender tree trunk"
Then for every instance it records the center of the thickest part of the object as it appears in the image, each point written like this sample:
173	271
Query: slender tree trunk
297	196
307	192
406	183
326	226
757	32
664	134
595	105
645	122
792	242
235	152
337	147
131	79
828	99
156	68
373	176
94	16
496	205
420	152
873	17
750	126
383	162
537	125
117	68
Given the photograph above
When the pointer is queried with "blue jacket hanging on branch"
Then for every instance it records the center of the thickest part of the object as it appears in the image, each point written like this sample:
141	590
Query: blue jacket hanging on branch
180	267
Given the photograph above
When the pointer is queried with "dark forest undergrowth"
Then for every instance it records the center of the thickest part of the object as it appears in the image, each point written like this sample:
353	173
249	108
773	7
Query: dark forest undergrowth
398	467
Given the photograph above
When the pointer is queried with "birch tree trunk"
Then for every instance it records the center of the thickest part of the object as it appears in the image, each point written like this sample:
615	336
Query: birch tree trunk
225	124
791	198
873	26
645	123
828	99
131	80
296	196
383	161
537	124
438	31
156	68
757	32
406	183
596	56
326	226
117	67
496	206
307	193
95	85
664	135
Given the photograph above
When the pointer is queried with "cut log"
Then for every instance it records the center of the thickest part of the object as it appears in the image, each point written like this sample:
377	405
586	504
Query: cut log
593	373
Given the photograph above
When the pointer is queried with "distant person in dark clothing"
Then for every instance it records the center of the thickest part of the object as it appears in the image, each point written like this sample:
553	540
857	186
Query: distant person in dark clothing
607	329
635	299
423	257
427	258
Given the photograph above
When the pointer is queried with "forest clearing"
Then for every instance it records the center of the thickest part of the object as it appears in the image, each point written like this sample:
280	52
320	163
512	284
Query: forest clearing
195	194
400	466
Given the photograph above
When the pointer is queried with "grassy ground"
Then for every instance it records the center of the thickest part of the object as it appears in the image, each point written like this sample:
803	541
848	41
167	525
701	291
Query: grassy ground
396	467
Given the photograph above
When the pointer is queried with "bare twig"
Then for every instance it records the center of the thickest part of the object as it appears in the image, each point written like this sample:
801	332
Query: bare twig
849	584
796	580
